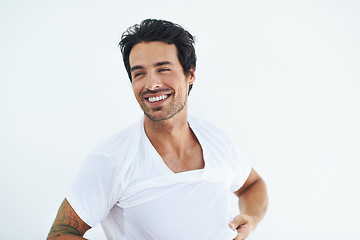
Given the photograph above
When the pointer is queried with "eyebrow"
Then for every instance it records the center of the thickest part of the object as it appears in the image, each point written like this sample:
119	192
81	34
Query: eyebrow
135	68
156	65
162	63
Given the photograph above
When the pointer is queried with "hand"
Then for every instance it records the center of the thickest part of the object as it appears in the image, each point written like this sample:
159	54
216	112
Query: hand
244	224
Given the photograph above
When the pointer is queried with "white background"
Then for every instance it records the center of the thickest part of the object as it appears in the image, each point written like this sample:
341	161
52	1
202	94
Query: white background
282	76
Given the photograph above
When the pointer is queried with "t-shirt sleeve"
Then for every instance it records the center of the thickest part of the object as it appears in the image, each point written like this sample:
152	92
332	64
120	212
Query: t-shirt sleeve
242	169
96	189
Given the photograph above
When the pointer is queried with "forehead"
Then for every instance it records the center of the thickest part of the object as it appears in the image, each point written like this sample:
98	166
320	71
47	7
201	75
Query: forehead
148	53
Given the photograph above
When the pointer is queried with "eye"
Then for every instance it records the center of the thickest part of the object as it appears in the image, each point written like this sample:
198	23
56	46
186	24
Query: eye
164	69
138	74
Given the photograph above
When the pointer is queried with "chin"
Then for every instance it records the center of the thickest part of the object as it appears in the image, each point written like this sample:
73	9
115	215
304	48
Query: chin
157	118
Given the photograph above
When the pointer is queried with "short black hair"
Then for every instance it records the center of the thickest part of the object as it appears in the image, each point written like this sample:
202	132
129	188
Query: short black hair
160	30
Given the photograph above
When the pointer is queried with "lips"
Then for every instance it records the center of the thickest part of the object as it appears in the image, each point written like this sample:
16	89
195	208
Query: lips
156	97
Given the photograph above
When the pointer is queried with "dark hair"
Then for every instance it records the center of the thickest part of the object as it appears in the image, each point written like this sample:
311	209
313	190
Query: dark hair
160	30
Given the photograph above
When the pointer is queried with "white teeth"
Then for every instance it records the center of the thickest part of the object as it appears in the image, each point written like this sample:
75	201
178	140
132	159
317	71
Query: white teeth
156	99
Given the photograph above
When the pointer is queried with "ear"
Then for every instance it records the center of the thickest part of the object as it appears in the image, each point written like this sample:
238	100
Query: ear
191	76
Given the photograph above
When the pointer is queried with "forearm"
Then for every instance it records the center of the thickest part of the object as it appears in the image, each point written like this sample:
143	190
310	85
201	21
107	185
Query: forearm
67	225
253	201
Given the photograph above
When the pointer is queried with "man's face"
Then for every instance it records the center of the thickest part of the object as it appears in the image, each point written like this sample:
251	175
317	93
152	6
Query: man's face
158	80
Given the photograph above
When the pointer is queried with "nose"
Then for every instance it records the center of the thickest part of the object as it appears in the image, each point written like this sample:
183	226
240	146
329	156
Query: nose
152	82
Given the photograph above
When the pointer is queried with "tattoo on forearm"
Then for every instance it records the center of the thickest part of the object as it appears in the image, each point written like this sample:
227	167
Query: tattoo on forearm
61	230
66	223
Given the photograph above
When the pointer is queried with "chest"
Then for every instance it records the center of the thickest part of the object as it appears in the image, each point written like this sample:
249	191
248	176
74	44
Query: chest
191	159
184	207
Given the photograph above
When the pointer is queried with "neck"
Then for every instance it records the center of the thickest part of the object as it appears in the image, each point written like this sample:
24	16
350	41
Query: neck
169	135
165	127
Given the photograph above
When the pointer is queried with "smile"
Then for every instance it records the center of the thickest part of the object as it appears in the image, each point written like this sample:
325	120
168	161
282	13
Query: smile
158	98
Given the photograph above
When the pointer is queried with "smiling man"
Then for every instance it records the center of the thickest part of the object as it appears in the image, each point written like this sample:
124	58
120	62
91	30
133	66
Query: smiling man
168	176
152	65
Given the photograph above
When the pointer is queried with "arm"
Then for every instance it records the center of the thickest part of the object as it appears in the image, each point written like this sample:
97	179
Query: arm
253	202
67	224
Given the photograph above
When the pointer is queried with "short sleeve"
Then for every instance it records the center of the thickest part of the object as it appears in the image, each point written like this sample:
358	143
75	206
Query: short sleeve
242	169
96	188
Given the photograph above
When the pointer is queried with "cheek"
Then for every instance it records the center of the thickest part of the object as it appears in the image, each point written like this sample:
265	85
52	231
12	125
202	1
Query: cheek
136	89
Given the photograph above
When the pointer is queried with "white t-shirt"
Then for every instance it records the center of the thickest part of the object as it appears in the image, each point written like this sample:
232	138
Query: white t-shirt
125	185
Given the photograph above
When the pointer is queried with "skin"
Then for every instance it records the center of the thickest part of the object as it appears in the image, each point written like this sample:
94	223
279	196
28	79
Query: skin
67	225
157	72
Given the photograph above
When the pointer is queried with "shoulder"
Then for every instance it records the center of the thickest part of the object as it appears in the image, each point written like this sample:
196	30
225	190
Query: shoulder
124	141
116	152
112	157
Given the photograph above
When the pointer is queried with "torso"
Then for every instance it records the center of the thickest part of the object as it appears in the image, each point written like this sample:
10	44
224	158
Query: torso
149	199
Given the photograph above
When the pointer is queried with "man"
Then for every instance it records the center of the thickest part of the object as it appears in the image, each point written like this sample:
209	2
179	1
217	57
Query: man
168	176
